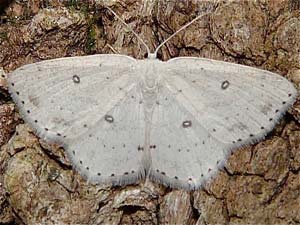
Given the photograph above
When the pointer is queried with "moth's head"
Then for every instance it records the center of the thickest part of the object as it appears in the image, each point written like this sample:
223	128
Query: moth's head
150	66
152	56
151	62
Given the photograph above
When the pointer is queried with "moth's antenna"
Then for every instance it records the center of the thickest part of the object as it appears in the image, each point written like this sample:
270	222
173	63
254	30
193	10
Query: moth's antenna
138	37
182	28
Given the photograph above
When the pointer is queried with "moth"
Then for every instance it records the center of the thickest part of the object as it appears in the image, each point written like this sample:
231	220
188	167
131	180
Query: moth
121	119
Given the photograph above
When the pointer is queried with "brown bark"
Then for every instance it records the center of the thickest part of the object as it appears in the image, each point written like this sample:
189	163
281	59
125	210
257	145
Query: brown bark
259	185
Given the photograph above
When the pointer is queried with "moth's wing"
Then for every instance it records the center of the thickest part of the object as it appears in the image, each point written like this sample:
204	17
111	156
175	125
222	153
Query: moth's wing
109	151
227	106
232	99
72	101
181	154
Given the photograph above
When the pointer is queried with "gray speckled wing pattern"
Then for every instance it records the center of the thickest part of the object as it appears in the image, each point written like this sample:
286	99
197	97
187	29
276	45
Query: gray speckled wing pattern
207	109
89	105
121	119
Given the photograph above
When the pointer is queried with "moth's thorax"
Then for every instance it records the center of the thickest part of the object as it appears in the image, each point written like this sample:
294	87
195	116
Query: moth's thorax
150	72
150	79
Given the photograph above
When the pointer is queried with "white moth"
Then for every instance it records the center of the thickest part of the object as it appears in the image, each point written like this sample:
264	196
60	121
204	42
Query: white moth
121	119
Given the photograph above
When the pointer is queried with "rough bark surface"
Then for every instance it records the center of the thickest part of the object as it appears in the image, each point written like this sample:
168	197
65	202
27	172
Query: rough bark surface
259	185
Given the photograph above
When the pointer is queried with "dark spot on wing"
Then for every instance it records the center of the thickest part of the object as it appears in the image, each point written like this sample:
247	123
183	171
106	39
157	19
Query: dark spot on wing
76	79
225	84
152	146
109	118
186	124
